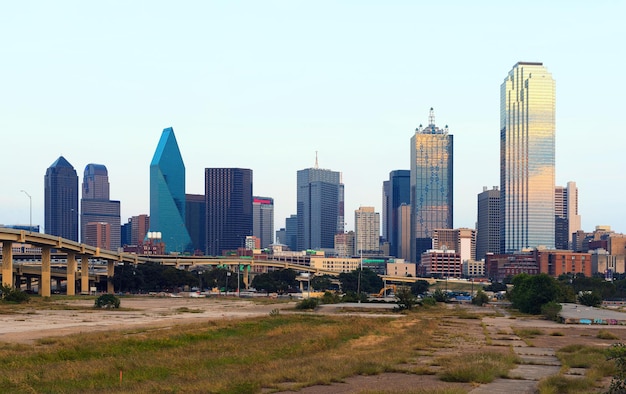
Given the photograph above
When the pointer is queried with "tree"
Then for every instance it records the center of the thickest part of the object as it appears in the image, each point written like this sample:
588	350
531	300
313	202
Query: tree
276	281
440	296
405	298
531	292
480	299
321	283
370	281
419	287
589	298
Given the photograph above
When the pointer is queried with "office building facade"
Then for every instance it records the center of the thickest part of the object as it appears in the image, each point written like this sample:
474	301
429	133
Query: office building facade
320	210
195	220
228	198
527	158
96	207
431	184
61	200
566	218
367	229
263	220
488	223
167	194
291	232
398	193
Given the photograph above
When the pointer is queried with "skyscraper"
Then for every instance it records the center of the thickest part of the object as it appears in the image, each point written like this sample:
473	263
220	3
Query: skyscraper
367	226
527	158
431	184
291	232
167	194
195	220
61	200
566	217
95	207
263	220
399	192
228	194
319	208
488	223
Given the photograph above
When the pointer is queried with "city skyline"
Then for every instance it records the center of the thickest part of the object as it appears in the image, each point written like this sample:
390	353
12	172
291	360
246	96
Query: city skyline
266	96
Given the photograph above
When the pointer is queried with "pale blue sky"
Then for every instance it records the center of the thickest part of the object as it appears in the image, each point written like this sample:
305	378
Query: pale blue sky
265	84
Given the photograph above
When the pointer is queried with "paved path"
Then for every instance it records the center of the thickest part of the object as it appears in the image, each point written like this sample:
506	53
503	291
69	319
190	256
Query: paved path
536	364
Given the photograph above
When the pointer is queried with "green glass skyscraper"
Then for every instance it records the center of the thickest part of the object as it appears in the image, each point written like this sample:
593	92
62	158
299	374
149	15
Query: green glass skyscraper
167	194
527	158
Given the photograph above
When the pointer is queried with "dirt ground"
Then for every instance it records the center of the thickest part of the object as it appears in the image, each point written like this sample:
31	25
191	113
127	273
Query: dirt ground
28	324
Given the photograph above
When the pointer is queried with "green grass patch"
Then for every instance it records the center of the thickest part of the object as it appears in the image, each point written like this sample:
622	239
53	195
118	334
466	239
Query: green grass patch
606	334
477	367
559	384
527	332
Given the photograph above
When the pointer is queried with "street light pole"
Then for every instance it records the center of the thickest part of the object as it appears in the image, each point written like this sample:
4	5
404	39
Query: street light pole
30	200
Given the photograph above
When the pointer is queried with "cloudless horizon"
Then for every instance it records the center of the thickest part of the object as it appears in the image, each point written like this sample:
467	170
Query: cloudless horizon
266	85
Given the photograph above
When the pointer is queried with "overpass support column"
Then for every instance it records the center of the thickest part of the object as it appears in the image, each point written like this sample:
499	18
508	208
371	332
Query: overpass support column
44	282
110	274
71	274
246	277
7	263
84	275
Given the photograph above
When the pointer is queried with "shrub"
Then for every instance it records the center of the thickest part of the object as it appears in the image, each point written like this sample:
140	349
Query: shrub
441	296
617	352
107	301
551	310
429	301
352	296
330	298
589	298
10	294
481	298
275	312
308	304
605	334
405	299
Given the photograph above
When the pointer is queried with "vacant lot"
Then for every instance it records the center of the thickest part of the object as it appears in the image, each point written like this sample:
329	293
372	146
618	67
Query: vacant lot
221	345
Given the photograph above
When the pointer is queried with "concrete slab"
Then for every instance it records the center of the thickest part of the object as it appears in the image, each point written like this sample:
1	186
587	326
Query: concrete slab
507	386
539	360
535	351
533	372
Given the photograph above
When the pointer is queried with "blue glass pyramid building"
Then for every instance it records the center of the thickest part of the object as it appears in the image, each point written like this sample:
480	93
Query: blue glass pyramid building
167	194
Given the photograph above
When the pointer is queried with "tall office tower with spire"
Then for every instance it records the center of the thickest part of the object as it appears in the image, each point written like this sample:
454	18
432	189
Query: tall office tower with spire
228	198
566	217
488	223
320	208
527	158
95	207
367	229
263	220
61	200
167	194
396	192
431	184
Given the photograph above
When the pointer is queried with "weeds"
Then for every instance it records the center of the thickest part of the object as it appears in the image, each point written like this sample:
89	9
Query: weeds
477	367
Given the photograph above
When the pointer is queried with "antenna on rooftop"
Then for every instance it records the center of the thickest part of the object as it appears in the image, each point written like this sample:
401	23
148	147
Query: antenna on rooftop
431	117
316	165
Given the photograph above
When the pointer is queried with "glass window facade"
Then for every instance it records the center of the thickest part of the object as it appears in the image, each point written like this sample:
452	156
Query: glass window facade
320	213
431	183
167	194
527	158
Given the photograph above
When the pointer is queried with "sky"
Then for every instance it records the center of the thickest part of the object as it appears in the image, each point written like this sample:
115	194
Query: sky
267	85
